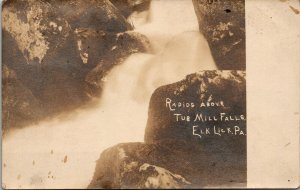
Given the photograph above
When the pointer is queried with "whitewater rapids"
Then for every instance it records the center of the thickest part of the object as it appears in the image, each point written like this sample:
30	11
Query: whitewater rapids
61	153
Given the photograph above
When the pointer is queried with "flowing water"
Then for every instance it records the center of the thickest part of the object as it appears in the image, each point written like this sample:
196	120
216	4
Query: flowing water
61	153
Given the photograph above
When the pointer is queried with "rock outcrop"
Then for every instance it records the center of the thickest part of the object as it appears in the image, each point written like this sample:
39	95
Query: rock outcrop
223	25
138	165
60	51
208	149
210	92
20	103
127	7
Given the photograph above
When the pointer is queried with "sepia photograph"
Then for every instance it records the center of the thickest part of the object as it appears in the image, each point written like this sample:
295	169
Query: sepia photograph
124	94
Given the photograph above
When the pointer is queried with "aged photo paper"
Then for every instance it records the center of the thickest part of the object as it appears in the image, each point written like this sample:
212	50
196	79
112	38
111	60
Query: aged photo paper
164	94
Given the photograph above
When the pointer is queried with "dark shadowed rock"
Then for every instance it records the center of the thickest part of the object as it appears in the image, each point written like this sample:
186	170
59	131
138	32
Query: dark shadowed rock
61	50
123	44
217	126
225	89
212	154
223	24
18	103
127	7
136	165
94	14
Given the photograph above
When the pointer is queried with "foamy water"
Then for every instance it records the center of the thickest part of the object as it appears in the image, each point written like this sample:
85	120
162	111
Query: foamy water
61	153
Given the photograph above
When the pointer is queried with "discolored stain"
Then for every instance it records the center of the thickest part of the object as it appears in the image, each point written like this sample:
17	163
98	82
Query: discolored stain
4	165
33	162
227	10
19	177
36	180
65	159
283	0
51	151
296	11
287	144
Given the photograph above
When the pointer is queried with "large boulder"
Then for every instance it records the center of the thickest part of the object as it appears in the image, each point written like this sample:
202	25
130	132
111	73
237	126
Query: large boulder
204	146
223	25
61	50
138	165
206	112
206	93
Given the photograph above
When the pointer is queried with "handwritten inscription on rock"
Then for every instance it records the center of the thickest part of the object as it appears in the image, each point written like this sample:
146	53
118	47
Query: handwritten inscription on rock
207	118
208	106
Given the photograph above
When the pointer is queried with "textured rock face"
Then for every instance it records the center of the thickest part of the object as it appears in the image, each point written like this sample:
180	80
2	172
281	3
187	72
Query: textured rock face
223	24
175	153
135	165
225	89
215	101
60	55
18	100
127	7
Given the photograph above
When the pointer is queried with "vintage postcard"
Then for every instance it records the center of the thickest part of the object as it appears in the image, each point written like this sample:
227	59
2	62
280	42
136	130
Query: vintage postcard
164	94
